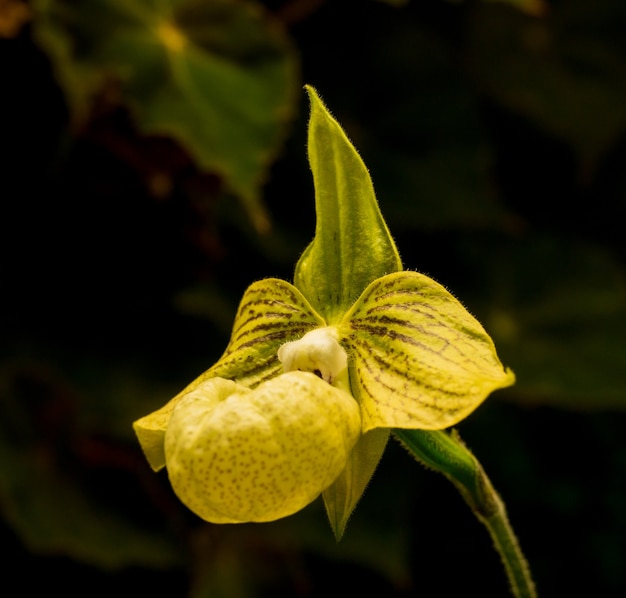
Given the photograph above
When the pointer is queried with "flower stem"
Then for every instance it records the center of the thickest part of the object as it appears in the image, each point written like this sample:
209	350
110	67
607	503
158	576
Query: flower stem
445	452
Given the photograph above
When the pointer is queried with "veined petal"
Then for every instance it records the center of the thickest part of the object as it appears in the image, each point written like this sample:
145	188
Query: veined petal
236	454
417	358
271	313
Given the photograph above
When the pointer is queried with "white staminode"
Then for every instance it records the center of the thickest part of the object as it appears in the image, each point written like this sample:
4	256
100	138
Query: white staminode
317	351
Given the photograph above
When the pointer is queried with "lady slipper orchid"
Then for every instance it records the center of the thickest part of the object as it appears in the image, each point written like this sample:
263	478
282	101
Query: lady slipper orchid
317	373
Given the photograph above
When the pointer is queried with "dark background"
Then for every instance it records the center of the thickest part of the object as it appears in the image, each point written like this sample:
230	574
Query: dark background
495	140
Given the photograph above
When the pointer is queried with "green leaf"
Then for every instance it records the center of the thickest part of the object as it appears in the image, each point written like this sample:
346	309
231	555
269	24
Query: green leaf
352	245
53	513
565	73
420	360
271	313
561	322
58	490
219	77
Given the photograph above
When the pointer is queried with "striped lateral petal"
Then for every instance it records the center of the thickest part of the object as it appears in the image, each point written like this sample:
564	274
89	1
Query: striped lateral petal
418	359
271	313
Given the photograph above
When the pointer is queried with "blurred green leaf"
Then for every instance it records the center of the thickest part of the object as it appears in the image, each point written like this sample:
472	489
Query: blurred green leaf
241	561
424	143
60	489
566	73
220	77
562	325
209	302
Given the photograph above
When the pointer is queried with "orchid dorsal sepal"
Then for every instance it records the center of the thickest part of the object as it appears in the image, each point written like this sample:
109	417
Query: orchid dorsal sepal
352	244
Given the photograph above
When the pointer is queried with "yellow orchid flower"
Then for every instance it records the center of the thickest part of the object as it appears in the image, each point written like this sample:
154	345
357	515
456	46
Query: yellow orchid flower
317	373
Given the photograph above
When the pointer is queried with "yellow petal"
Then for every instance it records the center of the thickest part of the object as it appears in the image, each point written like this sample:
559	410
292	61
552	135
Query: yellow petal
236	455
271	312
418	358
150	431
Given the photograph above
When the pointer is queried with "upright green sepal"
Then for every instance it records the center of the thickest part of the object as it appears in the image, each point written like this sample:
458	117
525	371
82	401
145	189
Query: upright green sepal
352	245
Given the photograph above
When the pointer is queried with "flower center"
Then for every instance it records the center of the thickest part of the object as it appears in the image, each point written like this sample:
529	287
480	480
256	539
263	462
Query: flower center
318	352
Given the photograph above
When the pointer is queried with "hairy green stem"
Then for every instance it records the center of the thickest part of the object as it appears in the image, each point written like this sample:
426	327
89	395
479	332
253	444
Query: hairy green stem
445	452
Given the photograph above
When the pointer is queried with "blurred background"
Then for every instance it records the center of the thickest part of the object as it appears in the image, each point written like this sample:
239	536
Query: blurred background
154	164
